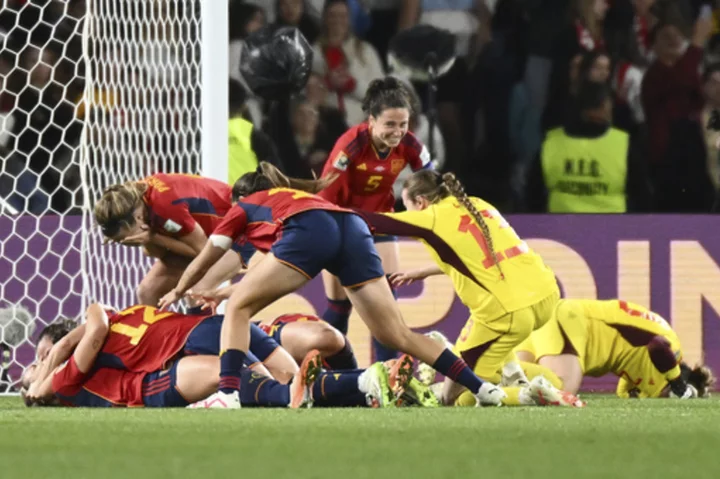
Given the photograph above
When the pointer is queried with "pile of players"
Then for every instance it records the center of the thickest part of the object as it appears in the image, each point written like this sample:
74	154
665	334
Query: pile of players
522	344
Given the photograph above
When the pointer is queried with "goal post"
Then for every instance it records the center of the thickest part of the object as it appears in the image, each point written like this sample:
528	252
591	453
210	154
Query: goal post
95	93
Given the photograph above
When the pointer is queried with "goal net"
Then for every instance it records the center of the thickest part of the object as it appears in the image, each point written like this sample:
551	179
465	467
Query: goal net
95	92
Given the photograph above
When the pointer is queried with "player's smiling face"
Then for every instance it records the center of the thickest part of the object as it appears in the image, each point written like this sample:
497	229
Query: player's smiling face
389	127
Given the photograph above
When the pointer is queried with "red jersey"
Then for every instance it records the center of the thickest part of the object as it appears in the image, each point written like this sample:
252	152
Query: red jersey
258	218
176	202
144	339
102	388
365	180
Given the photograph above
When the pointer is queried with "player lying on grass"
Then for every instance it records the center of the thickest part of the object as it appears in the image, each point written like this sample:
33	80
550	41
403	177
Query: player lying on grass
301	333
171	217
302	235
506	285
594	338
340	388
144	339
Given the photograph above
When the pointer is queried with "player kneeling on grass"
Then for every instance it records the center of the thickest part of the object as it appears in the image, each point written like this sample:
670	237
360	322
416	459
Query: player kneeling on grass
594	338
81	381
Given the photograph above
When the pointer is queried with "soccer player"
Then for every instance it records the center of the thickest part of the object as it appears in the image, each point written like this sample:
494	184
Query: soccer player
300	333
507	287
143	339
83	381
302	235
594	338
366	161
171	217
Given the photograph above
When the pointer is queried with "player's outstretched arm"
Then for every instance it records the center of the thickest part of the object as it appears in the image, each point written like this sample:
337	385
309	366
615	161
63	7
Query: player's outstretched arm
408	277
214	249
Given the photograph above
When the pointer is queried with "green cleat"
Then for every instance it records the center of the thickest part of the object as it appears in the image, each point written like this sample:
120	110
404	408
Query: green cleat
375	382
418	394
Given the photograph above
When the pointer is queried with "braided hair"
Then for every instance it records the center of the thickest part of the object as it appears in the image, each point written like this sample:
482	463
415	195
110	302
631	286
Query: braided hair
435	187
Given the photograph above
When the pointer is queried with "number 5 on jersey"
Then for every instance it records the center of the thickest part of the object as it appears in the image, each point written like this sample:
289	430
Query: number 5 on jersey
373	182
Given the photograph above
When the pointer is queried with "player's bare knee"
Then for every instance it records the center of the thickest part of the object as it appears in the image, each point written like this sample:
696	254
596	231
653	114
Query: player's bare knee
330	341
147	294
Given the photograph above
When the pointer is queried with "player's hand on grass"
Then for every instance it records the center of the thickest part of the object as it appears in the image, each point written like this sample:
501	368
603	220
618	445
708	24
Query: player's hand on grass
170	298
407	277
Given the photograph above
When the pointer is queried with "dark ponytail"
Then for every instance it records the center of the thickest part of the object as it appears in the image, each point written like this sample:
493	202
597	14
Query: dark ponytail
384	93
267	176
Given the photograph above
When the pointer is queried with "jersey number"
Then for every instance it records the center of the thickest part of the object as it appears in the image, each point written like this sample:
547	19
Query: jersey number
467	226
135	333
296	193
373	183
648	315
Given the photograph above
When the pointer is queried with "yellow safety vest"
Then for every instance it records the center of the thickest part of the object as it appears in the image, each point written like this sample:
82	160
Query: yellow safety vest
585	175
241	157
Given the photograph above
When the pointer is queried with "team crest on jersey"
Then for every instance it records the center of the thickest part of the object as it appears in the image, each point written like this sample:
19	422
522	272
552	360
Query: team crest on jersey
341	161
397	165
362	167
172	227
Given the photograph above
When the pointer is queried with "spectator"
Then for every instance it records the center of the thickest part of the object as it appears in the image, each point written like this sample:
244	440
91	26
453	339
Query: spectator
672	100
293	13
384	18
584	33
244	20
247	146
587	166
331	119
711	91
347	63
469	21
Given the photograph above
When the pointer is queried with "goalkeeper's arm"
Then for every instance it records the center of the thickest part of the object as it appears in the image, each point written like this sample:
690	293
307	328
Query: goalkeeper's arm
665	361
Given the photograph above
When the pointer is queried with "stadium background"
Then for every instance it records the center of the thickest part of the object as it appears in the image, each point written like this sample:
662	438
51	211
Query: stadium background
660	258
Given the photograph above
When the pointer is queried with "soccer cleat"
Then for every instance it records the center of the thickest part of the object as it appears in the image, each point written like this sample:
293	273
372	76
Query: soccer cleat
426	373
514	376
490	395
376	385
218	400
418	394
545	394
300	387
400	371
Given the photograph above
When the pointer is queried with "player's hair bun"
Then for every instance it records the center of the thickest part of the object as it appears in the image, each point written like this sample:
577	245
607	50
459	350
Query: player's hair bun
386	92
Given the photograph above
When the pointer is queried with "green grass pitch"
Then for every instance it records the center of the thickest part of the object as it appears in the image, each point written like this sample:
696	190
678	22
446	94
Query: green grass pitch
611	438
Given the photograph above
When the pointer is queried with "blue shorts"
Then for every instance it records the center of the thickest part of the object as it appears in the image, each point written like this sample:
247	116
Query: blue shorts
205	339
336	241
159	389
385	239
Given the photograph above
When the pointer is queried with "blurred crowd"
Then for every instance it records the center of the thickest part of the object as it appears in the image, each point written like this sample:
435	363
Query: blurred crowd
548	105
